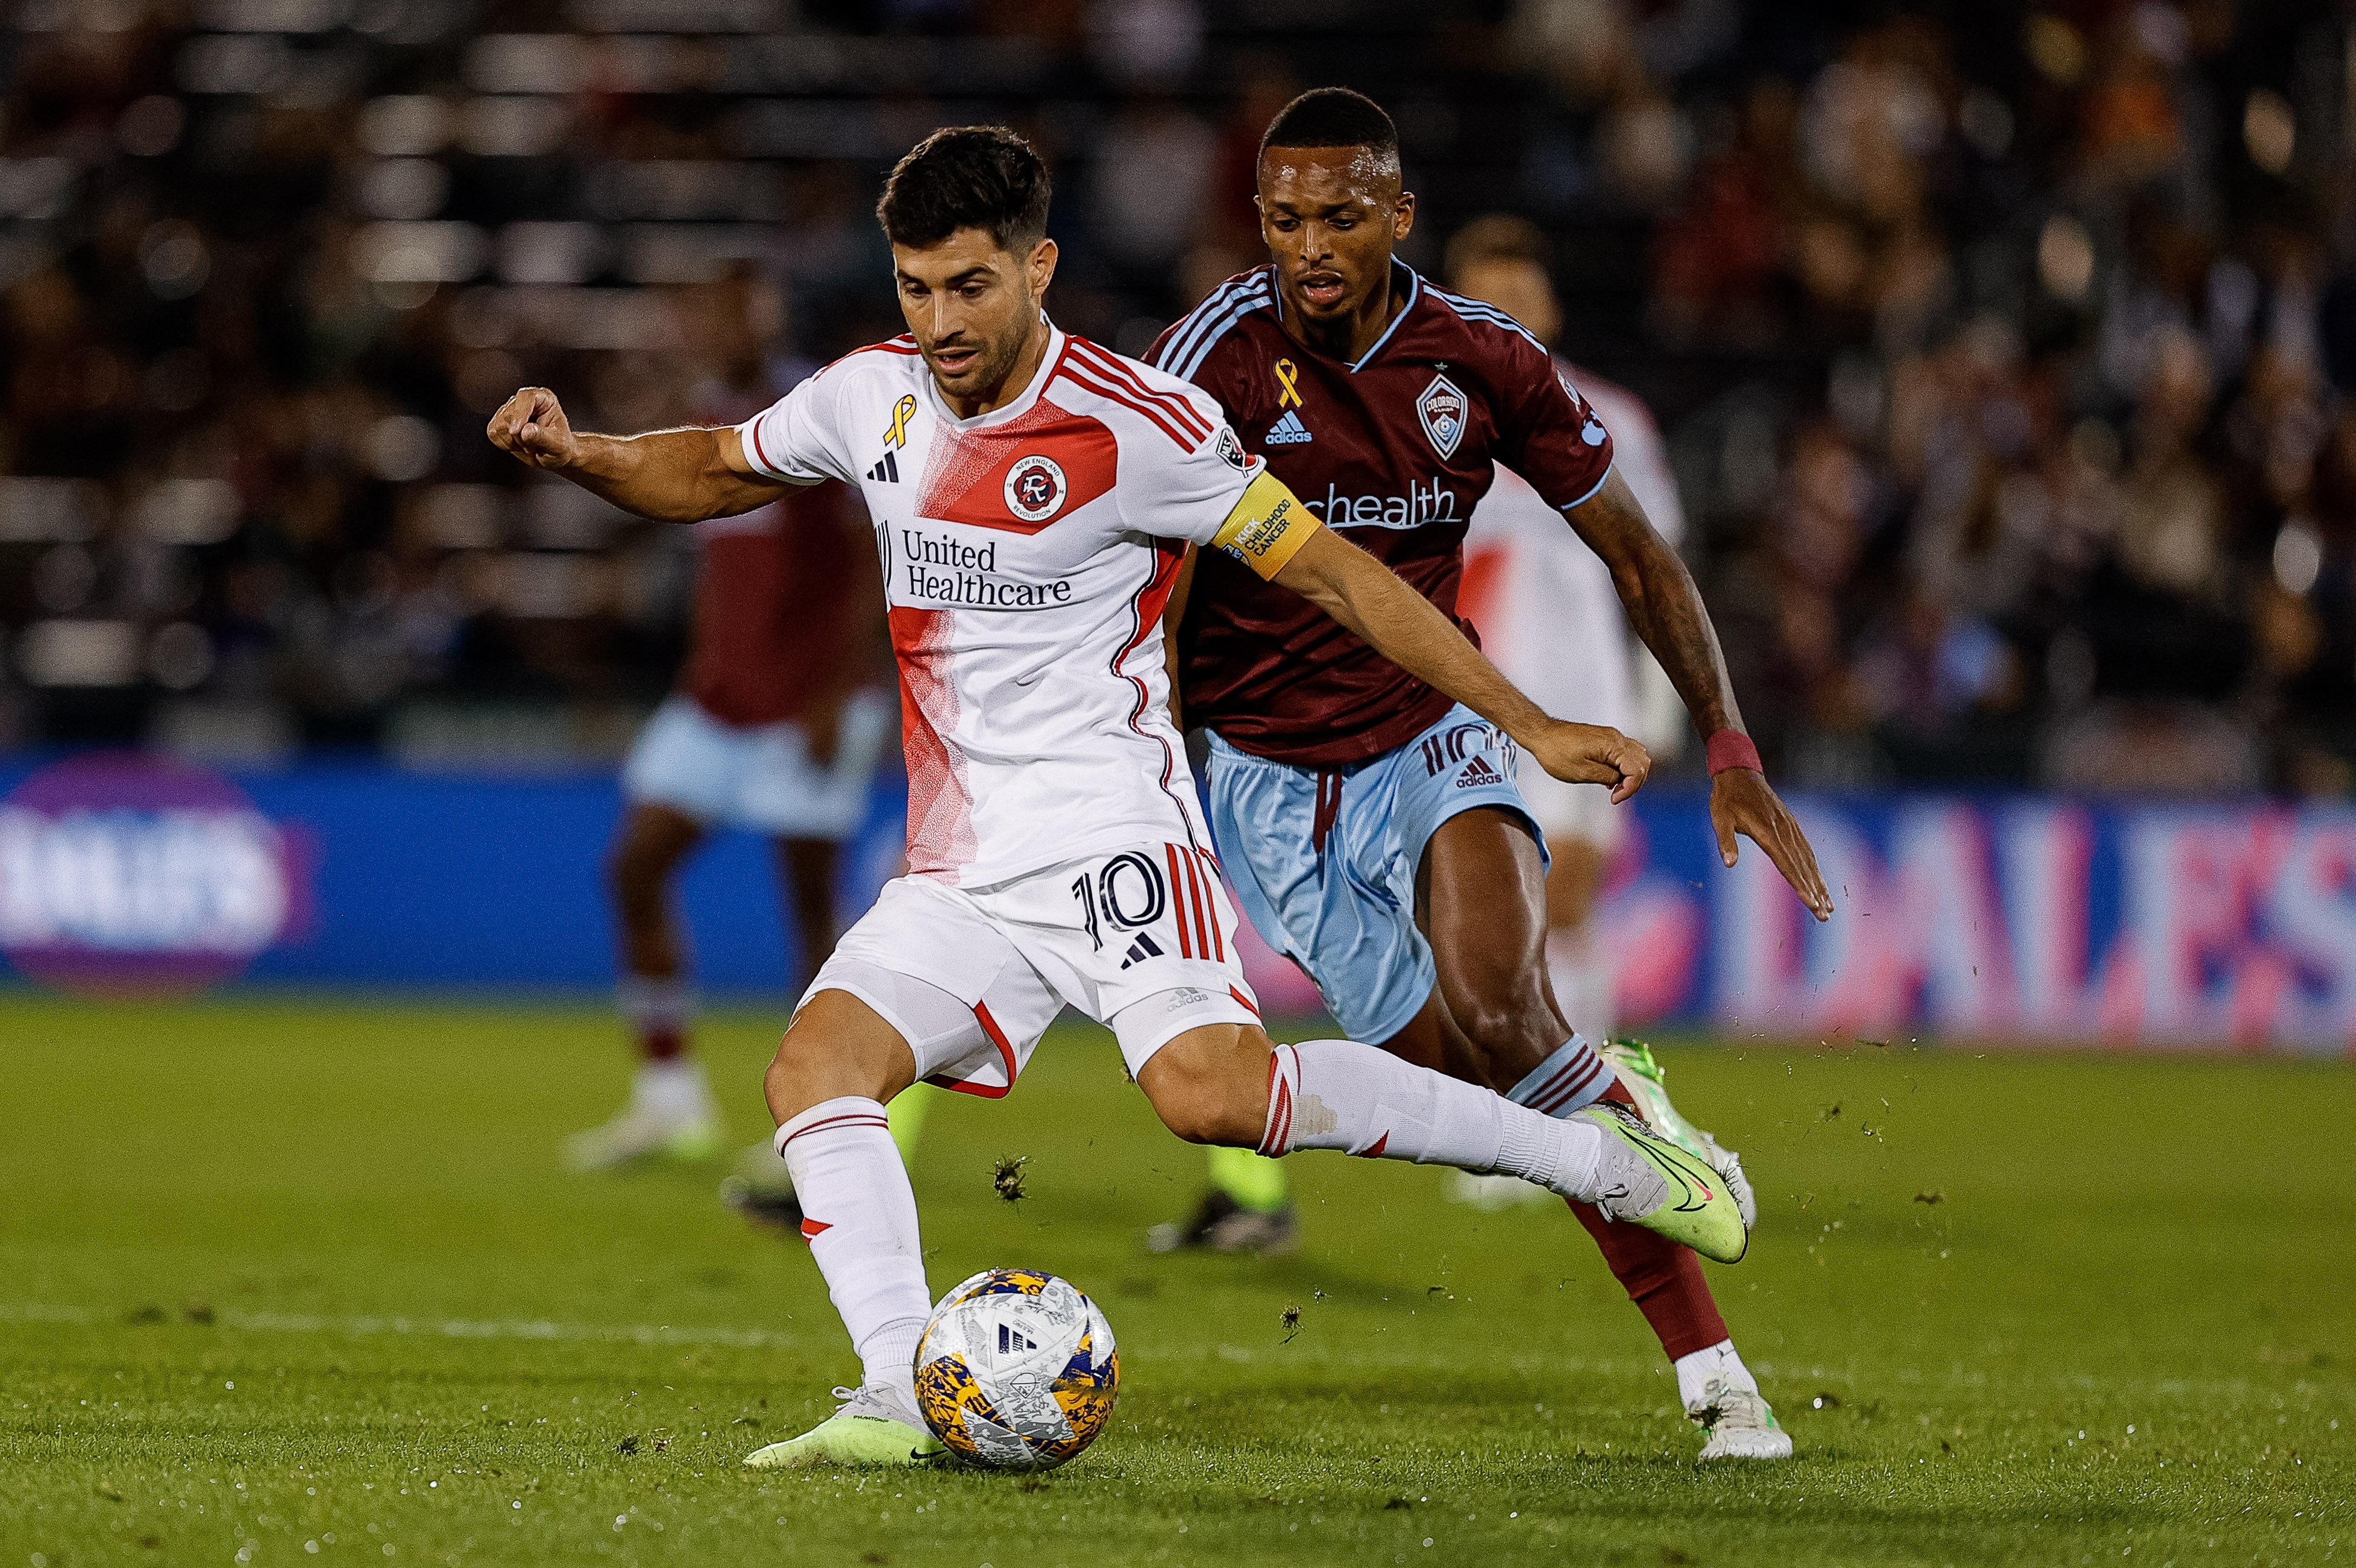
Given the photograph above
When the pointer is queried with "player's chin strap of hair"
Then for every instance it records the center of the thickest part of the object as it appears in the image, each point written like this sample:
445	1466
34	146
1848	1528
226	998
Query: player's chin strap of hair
1732	749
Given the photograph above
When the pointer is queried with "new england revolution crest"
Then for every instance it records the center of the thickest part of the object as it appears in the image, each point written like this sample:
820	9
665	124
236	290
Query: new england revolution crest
1035	487
1442	409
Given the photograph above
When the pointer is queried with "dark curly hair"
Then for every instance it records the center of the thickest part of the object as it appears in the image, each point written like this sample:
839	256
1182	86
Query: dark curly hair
967	177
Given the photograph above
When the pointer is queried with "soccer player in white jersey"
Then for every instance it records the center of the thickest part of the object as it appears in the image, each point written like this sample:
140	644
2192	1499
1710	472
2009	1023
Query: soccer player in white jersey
1033	496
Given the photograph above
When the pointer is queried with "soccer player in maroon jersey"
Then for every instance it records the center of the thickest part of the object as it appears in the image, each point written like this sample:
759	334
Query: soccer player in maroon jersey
1370	825
775	728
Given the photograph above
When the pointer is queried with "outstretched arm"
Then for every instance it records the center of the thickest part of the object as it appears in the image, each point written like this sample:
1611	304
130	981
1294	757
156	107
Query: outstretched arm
671	475
1410	631
1666	611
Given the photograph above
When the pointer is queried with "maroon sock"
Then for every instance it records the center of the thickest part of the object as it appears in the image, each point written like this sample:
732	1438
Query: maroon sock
662	1042
1663	1279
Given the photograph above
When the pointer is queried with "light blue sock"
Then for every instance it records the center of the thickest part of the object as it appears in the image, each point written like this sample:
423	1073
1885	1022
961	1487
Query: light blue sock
1573	1077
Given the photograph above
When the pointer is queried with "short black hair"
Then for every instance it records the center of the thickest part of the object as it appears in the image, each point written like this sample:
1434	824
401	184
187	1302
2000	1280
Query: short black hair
1332	117
967	177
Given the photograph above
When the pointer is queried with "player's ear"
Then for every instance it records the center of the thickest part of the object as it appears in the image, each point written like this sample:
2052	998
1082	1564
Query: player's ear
1403	216
1040	268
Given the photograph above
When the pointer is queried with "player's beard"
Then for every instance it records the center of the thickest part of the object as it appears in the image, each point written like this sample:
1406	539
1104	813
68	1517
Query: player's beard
994	360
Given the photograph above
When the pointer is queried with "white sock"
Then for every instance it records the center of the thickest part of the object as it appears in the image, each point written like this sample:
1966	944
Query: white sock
1339	1095
673	1088
1582	977
1718	1362
860	1223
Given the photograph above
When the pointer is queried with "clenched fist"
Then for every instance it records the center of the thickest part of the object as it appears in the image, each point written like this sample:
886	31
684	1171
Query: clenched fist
531	427
1592	753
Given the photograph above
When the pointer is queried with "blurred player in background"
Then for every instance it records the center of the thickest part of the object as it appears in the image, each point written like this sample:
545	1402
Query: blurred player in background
1370	826
774	727
1547	613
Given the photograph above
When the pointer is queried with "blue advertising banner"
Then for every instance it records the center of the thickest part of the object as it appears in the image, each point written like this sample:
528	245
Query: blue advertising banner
2020	918
2000	918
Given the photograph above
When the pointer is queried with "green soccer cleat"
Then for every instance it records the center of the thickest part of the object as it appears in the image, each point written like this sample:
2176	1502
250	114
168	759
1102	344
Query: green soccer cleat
1649	1180
1646	1079
873	1428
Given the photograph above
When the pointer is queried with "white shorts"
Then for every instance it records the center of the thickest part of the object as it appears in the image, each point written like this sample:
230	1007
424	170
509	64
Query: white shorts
761	777
1142	941
1570	811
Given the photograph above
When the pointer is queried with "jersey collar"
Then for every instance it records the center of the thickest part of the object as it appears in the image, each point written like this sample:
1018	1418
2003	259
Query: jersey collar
1018	406
1414	294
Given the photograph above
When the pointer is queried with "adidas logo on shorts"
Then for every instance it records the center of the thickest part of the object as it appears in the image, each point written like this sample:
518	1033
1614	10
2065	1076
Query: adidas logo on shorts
1288	431
1143	948
1477	772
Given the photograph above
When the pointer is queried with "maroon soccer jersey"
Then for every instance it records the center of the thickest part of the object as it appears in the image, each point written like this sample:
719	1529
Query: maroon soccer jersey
785	596
1395	448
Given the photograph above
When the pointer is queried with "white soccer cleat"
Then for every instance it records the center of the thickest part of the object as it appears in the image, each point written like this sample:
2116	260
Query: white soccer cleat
1738	1423
670	1113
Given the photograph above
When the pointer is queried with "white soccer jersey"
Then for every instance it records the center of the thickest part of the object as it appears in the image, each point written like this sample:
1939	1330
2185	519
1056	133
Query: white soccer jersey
1548	614
1027	555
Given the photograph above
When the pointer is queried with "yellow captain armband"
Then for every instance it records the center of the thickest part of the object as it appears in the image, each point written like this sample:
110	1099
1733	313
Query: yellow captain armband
1268	527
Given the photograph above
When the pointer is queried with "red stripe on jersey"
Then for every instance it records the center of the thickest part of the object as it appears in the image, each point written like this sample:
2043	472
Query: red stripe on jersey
940	806
758	449
1151	601
811	1229
1248	1003
1126	374
1177	901
1375	1149
968	472
1218	937
904	344
1194	895
1080	374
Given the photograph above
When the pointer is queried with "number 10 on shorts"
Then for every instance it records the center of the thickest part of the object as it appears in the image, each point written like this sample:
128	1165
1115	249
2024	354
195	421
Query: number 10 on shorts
1150	906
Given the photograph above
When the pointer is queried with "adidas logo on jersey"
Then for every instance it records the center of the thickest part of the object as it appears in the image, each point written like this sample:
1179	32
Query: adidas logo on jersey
1478	773
888	471
1288	431
1011	1339
1140	951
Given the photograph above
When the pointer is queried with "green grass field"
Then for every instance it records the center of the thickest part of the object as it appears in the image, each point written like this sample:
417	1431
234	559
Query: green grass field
288	1280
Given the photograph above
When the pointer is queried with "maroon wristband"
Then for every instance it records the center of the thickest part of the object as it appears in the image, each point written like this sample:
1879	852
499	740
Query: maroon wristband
1732	749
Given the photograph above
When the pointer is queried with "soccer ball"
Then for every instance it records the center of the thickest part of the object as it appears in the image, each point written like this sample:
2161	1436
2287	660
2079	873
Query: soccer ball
1016	1371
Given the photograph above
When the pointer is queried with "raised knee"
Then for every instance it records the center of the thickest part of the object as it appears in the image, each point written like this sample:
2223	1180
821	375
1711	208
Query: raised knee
1207	1100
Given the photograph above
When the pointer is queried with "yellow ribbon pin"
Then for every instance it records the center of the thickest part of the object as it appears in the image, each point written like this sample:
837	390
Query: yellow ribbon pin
1287	373
901	413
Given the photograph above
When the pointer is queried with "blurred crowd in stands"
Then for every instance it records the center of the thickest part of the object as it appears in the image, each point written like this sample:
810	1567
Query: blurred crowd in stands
2000	349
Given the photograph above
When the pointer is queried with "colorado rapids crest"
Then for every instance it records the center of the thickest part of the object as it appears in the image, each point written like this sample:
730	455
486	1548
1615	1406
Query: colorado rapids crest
1441	408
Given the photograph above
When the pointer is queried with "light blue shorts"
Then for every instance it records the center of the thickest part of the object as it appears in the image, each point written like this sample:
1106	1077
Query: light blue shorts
763	777
1333	889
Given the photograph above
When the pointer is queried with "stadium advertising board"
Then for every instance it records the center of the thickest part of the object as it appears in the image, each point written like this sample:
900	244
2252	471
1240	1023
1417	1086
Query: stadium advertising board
2015	919
121	873
2003	919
